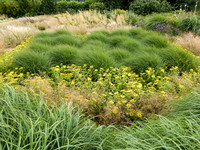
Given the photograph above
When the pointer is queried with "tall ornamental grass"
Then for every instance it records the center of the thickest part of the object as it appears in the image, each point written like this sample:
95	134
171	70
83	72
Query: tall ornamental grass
179	130
26	122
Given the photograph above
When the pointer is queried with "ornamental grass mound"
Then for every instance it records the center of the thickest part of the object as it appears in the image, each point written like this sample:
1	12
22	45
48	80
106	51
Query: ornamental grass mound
135	48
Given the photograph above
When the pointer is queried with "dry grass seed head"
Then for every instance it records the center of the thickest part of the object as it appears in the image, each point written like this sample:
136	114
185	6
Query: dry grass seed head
190	42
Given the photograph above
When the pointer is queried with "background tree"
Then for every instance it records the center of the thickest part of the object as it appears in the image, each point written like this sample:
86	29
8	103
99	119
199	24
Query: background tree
190	4
48	6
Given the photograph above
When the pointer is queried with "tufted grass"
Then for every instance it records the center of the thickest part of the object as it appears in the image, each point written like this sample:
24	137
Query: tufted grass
96	49
28	123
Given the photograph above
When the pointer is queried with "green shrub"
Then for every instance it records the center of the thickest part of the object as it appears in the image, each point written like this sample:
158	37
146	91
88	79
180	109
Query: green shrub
97	6
191	23
32	62
70	5
114	4
186	5
18	8
62	54
75	5
29	7
48	7
98	59
132	20
108	15
9	8
145	7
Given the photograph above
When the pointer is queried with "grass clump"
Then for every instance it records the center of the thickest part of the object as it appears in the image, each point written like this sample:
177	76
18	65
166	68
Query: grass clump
62	54
120	33
120	54
132	45
176	57
137	32
32	62
27	122
98	59
68	40
141	61
155	40
179	130
162	24
59	40
40	48
117	40
191	23
56	38
153	21
96	49
100	36
95	45
53	34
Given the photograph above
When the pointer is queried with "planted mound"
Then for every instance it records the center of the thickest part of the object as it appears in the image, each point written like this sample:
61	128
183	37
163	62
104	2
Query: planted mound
135	48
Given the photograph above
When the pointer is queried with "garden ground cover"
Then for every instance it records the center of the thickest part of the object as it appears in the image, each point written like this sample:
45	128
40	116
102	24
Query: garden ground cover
108	77
90	72
135	48
36	126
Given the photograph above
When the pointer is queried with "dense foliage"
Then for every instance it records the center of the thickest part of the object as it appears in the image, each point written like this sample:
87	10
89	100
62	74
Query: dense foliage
145	7
135	48
28	122
191	23
122	77
101	84
114	4
18	8
184	4
48	7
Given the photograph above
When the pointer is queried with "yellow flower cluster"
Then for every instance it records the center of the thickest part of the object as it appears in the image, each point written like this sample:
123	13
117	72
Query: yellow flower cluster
122	90
7	57
82	37
119	11
111	93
